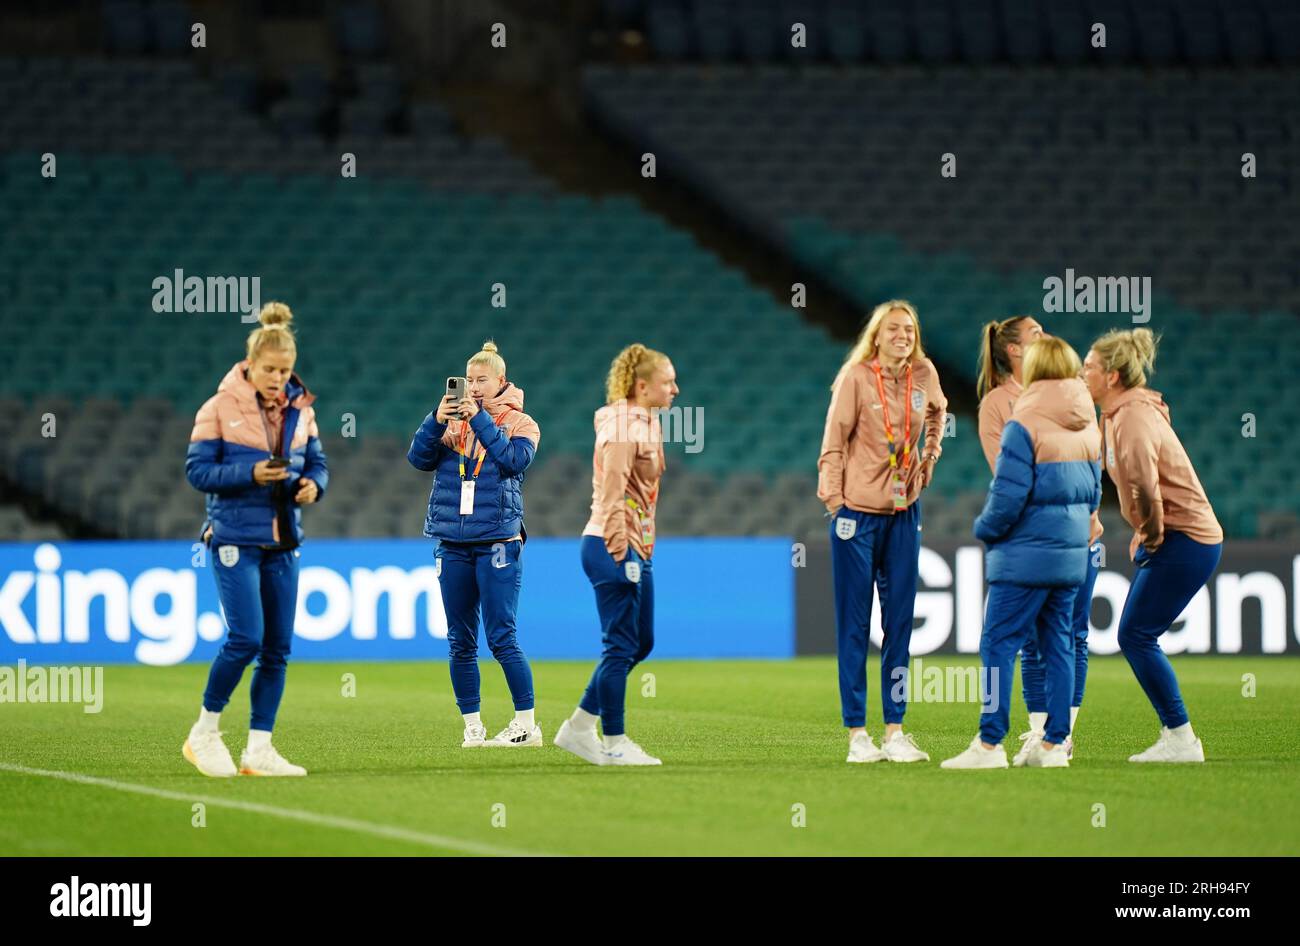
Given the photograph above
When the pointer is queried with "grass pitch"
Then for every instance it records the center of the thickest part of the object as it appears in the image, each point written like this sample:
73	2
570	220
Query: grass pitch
744	744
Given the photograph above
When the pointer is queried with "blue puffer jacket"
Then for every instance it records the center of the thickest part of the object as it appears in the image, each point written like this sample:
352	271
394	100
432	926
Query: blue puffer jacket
509	437
1045	488
230	436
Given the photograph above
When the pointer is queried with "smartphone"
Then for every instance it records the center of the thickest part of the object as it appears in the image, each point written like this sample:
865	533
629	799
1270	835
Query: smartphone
277	463
456	387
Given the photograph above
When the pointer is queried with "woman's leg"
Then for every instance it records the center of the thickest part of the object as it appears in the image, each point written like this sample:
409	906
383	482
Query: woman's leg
279	573
1162	586
499	570
1056	652
616	602
853	537
239	588
1009	616
460	600
1079	623
896	568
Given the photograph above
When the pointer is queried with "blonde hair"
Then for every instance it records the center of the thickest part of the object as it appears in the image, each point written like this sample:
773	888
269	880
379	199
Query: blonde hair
487	355
274	333
995	363
1050	359
1131	353
634	361
864	348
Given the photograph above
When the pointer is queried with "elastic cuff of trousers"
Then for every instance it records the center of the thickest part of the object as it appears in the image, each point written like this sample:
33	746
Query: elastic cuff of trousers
856	723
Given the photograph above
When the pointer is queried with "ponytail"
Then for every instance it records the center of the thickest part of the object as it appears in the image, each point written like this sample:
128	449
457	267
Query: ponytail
994	363
634	361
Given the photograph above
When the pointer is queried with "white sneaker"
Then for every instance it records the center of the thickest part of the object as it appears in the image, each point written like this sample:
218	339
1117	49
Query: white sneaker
207	753
1169	748
266	761
517	736
1069	747
475	736
977	757
1030	739
862	749
627	752
901	747
1053	758
585	744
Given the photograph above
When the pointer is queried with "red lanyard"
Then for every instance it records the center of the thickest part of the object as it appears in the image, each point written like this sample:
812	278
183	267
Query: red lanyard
482	451
907	416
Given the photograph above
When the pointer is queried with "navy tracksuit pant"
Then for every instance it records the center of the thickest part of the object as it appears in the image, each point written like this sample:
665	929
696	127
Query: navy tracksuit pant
1162	586
627	628
259	597
884	550
1032	673
486	574
1013	615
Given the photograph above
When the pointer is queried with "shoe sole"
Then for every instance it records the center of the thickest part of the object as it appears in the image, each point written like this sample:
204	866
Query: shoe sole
971	768
475	744
193	760
248	771
879	758
905	761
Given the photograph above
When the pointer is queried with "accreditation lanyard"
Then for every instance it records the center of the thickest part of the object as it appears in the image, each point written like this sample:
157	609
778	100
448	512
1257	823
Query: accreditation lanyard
467	486
898	488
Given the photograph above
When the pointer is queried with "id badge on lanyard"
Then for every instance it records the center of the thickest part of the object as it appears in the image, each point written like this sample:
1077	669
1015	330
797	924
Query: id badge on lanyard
897	484
898	490
467	497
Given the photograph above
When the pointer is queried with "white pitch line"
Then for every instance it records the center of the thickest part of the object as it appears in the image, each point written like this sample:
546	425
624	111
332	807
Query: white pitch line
292	814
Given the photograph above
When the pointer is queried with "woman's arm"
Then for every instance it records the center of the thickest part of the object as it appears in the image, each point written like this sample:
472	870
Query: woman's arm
511	454
1137	453
1012	481
427	448
841	418
316	467
616	459
205	465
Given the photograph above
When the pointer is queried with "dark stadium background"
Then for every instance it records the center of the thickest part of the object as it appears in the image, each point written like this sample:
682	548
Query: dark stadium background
523	164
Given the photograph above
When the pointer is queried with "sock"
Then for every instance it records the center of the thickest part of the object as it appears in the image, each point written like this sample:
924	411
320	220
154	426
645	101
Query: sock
1074	714
208	721
258	739
1038	721
612	742
583	720
525	717
1183	733
472	719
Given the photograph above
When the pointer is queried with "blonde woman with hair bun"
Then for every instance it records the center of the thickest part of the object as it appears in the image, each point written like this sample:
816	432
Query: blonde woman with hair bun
255	451
1177	541
872	468
478	449
618	547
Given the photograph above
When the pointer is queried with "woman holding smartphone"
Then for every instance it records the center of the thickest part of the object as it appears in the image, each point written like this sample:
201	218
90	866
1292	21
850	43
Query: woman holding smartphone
1177	541
478	443
617	547
871	471
256	452
1002	350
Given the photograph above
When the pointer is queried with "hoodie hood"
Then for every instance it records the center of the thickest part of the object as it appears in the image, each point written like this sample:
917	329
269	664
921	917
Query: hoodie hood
234	383
1064	402
621	408
508	398
1139	395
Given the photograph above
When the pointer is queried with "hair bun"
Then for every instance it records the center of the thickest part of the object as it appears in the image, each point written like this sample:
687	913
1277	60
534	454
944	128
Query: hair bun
490	345
275	313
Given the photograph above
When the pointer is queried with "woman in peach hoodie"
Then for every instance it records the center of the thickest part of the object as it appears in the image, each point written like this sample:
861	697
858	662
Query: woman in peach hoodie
617	547
1177	541
871	471
1002	353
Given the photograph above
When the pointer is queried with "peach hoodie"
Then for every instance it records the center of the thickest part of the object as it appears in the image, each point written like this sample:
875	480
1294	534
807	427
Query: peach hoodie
627	465
853	469
1157	486
995	411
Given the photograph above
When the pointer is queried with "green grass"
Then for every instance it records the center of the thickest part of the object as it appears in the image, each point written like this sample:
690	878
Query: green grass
742	742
